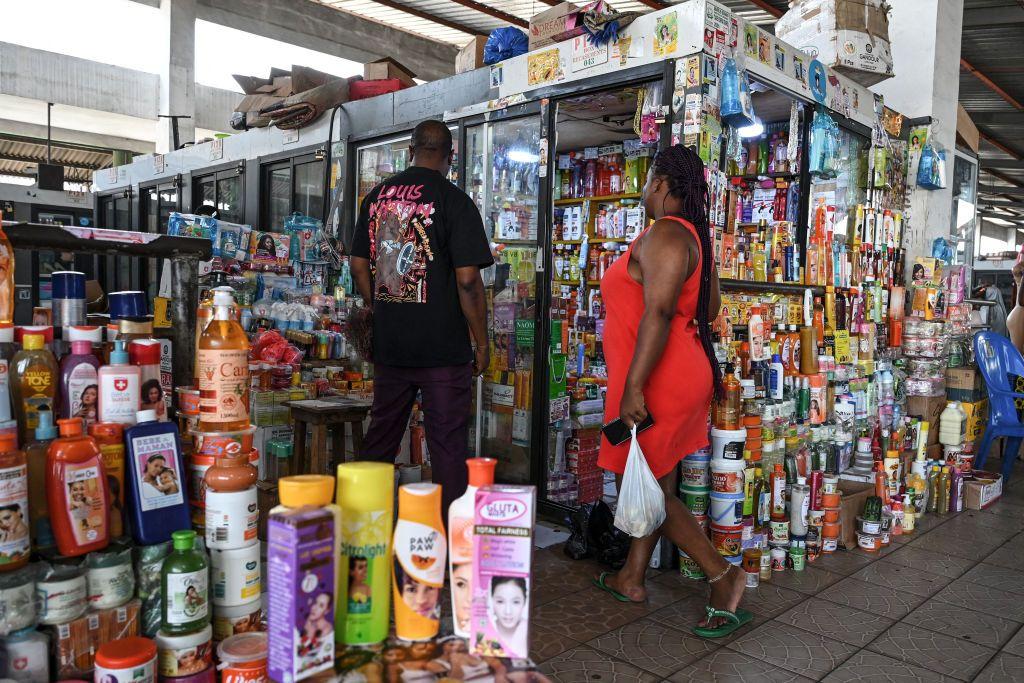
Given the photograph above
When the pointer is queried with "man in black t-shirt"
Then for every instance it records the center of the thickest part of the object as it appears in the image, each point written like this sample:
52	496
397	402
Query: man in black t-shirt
417	253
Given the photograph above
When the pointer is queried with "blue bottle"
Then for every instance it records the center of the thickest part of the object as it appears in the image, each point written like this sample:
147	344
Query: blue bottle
155	475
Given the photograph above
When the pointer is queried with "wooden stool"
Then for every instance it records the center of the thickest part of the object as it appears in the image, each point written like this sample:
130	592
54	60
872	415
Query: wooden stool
321	414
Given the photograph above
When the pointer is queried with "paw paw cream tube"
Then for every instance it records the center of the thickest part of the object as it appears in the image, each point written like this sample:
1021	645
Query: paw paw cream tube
420	550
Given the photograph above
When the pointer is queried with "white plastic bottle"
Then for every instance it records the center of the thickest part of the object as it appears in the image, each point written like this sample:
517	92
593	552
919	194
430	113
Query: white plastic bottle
776	376
460	543
951	424
119	388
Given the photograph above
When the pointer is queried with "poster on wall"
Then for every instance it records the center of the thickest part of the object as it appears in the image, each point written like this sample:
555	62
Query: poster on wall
750	41
764	48
666	34
542	67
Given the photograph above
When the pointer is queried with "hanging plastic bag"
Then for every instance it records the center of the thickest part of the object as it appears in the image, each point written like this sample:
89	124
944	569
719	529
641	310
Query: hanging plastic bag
825	145
505	43
641	507
931	170
737	108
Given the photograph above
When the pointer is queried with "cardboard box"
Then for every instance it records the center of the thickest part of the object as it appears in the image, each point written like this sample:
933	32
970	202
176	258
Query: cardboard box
471	56
965	384
545	25
977	419
851	36
851	504
387	68
928	408
982	490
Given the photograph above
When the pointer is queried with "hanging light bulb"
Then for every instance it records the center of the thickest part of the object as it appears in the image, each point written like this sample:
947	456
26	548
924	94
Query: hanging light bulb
753	130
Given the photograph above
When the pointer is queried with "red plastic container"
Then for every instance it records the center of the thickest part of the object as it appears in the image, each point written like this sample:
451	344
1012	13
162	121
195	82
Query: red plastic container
361	90
77	491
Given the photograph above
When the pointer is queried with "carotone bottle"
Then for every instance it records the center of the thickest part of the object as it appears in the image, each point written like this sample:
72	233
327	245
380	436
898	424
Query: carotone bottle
223	363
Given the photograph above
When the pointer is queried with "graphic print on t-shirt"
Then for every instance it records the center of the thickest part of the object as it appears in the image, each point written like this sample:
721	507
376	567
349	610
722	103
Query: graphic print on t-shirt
399	246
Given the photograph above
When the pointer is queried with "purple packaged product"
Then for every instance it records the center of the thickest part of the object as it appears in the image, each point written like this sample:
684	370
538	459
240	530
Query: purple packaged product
300	568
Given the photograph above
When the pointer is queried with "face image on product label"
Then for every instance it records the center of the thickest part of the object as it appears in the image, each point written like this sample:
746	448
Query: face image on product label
157	478
84	393
186	597
14	535
361	546
85	503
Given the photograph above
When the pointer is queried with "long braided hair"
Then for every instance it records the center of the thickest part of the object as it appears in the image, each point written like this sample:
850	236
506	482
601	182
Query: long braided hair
684	171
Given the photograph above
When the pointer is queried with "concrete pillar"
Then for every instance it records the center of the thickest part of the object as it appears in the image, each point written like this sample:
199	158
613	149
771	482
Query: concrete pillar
178	72
925	37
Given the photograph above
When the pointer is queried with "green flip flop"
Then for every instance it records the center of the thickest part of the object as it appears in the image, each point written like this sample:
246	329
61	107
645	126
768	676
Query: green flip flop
733	622
599	582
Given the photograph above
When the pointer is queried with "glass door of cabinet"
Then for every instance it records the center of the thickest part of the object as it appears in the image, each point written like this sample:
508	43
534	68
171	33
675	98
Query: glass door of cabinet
378	161
503	162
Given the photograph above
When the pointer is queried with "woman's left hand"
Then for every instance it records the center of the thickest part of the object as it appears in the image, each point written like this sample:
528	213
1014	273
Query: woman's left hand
632	409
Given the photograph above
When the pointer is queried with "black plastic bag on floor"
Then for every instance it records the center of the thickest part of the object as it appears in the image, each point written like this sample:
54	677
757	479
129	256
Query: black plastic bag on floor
594	535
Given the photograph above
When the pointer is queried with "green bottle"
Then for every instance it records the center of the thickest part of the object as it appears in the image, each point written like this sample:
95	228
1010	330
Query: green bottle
184	579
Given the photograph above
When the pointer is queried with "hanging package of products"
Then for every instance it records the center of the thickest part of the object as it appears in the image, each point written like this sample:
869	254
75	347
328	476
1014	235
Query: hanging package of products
737	106
931	171
824	145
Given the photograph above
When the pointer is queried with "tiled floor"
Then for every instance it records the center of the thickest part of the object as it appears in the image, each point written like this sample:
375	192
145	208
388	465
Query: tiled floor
943	604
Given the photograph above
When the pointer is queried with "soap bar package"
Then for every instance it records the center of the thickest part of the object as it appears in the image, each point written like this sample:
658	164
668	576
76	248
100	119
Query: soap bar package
502	552
300	568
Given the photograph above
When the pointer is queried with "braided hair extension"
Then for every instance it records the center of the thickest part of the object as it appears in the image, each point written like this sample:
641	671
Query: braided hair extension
684	171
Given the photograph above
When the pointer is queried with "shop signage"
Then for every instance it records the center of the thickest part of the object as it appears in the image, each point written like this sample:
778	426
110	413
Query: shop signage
159	164
217	149
525	331
586	55
289	136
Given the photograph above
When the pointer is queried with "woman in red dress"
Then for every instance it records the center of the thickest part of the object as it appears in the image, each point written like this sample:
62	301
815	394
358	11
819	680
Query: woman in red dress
660	298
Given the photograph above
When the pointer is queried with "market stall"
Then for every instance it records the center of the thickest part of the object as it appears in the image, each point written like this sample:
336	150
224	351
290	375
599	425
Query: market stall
166	535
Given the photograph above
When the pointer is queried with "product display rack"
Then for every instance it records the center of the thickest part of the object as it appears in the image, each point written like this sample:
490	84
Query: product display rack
184	254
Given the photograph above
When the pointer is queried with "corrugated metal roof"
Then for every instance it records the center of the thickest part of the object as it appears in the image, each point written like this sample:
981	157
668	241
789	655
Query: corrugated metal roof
21	157
477	21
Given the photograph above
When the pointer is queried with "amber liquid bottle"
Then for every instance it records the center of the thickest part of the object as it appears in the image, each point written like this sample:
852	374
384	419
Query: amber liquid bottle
34	381
223	369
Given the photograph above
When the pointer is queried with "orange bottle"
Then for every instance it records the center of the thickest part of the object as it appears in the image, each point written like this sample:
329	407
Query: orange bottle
110	438
15	543
77	492
420	550
223	369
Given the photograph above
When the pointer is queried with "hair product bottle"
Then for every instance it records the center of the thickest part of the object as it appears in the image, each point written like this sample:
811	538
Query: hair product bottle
157	500
419	549
34	377
365	497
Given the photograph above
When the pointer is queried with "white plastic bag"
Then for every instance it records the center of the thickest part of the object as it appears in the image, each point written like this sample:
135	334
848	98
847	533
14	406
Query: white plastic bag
641	507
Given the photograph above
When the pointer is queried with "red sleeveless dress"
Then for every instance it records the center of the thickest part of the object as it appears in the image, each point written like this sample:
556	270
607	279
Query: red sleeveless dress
679	390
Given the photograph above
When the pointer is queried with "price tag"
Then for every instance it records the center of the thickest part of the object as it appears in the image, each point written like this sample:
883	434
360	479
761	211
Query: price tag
609	149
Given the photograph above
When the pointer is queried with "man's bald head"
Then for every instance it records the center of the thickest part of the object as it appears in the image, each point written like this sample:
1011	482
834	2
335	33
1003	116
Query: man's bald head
431	145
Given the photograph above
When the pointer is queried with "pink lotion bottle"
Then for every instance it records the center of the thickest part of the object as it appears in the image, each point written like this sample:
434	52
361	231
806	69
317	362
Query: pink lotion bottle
79	382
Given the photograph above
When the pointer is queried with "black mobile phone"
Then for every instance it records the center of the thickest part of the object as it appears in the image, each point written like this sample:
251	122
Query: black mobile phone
618	433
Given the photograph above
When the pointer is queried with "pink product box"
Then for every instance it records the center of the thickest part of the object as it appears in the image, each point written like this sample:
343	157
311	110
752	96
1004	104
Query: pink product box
502	553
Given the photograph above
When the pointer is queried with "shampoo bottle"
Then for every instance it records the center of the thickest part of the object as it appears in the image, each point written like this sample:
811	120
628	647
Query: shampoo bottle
419	549
77	492
364	581
157	500
460	543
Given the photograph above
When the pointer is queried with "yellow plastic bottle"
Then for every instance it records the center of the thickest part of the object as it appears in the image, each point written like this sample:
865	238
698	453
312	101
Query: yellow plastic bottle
420	549
34	380
223	369
367	507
